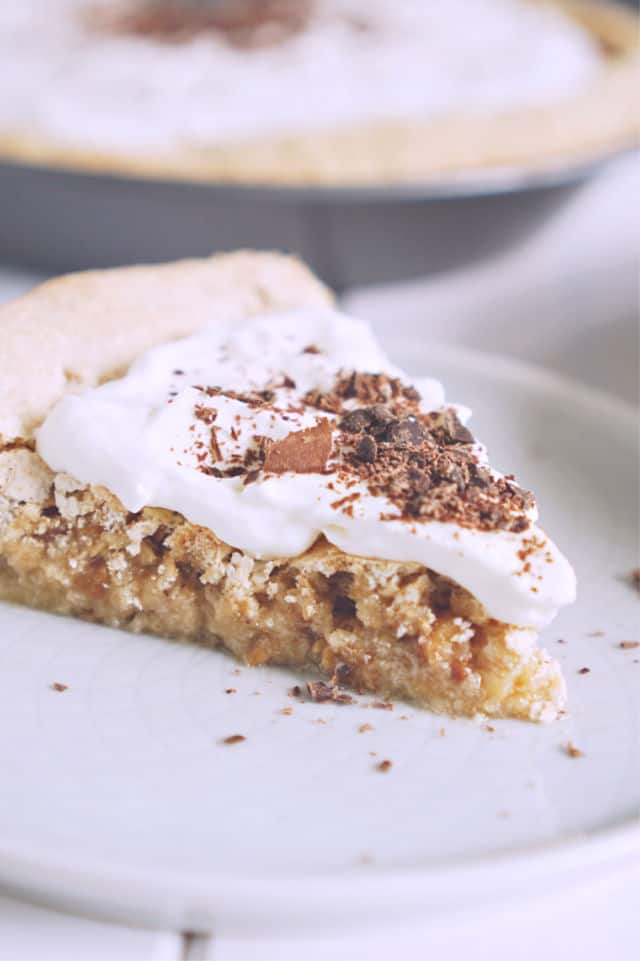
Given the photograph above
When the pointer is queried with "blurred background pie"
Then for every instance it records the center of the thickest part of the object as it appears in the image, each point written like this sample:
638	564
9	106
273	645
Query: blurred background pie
314	91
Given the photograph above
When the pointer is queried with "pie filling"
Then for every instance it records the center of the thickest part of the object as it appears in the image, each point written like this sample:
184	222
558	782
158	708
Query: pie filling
279	487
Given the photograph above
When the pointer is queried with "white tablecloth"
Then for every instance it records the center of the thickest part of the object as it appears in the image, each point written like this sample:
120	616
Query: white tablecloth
567	299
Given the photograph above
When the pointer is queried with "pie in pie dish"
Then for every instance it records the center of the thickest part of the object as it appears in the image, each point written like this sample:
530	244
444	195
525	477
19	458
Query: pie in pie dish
211	452
315	91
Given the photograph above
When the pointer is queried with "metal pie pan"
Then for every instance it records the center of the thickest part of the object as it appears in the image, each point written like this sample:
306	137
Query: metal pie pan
58	220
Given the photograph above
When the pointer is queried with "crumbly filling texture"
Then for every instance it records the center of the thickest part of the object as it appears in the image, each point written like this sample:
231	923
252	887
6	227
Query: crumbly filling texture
396	629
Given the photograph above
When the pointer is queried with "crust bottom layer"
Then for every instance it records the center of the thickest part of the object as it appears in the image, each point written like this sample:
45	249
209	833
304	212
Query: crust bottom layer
396	629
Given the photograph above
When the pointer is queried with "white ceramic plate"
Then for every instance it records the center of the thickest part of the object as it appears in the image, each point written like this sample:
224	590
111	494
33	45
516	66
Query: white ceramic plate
118	798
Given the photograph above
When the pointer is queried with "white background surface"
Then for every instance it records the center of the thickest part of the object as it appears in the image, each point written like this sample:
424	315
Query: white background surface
567	299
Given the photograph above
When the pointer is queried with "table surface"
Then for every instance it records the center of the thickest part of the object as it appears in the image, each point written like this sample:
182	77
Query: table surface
567	299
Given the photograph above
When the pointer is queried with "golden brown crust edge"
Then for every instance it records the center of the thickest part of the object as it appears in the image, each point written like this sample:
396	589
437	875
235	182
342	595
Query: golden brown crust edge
81	329
602	120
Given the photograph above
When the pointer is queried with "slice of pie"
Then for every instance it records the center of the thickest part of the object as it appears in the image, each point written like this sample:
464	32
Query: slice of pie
211	452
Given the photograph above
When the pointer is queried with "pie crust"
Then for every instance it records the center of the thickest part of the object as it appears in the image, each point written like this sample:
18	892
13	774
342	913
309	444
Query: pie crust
600	121
387	627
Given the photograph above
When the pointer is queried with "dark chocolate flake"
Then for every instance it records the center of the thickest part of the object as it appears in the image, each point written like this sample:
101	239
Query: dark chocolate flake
407	432
367	450
456	431
381	418
411	393
356	421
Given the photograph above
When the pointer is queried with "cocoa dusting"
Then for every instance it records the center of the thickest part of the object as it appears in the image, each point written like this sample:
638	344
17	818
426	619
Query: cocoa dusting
244	24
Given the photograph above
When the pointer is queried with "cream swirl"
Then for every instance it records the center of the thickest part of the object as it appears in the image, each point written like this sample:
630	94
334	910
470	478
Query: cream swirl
147	437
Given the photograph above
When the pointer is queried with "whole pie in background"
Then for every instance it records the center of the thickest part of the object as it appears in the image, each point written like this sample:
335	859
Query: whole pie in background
315	91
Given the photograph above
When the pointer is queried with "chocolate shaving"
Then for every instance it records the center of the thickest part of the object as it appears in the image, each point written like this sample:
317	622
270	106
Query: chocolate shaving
356	421
385	765
234	739
447	428
322	692
407	432
367	450
57	686
302	451
254	398
424	464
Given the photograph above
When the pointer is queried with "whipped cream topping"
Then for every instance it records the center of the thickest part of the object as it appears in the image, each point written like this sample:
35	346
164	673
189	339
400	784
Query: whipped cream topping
202	425
356	62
